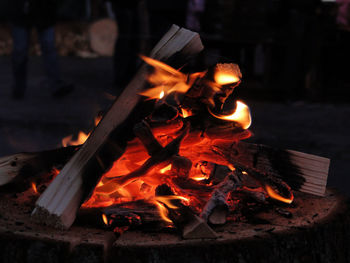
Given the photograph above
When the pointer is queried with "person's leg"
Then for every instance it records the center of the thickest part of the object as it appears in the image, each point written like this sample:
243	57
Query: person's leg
47	43
19	59
126	47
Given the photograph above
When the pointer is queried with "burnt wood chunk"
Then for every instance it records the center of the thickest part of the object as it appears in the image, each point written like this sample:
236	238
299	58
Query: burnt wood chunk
216	209
191	225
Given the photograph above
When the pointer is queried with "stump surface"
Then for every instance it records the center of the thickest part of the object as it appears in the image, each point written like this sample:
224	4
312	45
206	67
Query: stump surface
317	232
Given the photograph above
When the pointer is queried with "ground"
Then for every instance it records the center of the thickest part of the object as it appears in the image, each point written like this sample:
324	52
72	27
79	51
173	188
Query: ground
39	122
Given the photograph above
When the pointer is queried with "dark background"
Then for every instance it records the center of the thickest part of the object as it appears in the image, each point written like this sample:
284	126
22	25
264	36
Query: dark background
293	56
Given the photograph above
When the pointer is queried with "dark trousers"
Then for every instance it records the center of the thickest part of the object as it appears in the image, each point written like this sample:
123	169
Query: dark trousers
20	56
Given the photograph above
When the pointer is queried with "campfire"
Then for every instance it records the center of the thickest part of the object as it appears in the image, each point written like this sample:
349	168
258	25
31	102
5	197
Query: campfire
169	153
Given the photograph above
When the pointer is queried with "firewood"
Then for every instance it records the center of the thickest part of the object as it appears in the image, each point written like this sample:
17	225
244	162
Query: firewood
191	225
206	92
301	171
58	205
21	167
159	156
131	214
216	209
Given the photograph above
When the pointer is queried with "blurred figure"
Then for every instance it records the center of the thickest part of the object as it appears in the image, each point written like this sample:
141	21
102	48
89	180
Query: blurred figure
195	9
343	16
40	14
127	46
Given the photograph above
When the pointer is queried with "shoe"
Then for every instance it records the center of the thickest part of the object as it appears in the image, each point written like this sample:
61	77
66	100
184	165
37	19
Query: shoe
62	91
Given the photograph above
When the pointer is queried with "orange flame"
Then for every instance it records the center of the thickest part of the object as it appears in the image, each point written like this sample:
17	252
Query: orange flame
241	115
165	201
185	113
163	212
105	219
272	193
35	190
161	95
97	120
82	137
200	177
166	80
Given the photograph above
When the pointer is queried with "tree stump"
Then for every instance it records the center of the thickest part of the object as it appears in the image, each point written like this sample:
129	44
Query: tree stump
317	232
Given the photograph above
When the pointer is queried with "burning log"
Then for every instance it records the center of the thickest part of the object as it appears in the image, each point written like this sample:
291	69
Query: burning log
58	205
301	171
191	225
216	209
158	155
131	215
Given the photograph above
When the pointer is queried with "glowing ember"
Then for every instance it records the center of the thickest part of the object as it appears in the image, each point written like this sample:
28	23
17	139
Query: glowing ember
35	190
165	169
105	219
276	196
241	115
224	74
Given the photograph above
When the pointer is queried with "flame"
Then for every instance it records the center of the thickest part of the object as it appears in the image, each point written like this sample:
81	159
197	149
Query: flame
82	137
241	115
163	212
168	198
200	177
166	80
185	113
97	120
105	219
165	169
163	202
225	74
272	193
35	190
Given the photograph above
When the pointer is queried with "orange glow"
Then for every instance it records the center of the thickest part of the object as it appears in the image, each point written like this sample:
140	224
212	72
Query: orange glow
185	113
165	169
163	212
200	177
161	95
82	137
165	201
231	167
166	80
241	115
97	120
276	196
105	219
225	75
35	190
